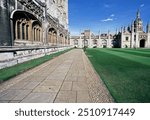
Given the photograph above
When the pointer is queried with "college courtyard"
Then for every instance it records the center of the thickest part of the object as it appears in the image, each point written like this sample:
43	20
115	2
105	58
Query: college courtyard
94	76
42	62
69	78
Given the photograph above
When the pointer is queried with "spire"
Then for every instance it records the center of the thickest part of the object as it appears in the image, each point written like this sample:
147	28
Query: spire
124	29
132	24
99	34
138	13
128	29
132	27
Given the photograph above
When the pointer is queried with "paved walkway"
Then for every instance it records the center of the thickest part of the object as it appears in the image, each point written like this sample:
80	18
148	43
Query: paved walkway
69	78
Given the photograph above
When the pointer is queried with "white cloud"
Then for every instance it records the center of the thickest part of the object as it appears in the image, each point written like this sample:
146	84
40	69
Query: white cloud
108	19
112	15
142	5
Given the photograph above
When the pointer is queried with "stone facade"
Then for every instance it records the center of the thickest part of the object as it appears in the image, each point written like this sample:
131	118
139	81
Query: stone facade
16	55
34	23
88	39
134	36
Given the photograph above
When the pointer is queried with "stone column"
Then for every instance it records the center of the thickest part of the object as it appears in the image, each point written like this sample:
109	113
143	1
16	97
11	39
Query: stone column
21	31
25	32
16	30
148	40
30	35
57	37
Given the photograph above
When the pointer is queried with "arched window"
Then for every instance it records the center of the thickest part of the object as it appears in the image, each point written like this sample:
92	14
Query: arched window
142	43
95	42
52	36
39	35
75	42
27	32
34	32
85	43
37	32
23	31
18	30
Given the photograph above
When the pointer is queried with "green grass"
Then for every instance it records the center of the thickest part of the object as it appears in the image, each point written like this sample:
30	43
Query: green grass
126	75
10	72
134	52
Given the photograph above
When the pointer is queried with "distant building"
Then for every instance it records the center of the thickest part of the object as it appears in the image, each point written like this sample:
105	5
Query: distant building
129	37
134	36
33	22
88	39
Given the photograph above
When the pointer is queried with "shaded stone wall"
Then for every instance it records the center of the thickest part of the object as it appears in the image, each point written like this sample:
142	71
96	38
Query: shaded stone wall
5	33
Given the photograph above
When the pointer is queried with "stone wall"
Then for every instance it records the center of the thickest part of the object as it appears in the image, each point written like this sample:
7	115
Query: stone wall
13	56
5	33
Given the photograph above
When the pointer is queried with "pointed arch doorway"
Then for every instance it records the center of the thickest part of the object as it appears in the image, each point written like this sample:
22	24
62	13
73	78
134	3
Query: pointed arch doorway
142	43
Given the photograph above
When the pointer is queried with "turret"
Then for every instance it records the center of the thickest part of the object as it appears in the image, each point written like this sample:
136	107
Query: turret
138	24
132	27
128	29
124	29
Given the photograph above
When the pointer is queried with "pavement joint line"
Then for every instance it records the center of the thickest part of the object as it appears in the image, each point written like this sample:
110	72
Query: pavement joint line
62	83
56	66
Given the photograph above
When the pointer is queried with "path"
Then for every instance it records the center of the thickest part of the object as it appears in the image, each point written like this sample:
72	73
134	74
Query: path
69	78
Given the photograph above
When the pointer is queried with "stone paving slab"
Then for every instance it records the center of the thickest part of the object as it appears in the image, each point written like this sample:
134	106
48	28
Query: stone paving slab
67	86
21	95
78	86
66	97
83	97
39	98
10	95
68	78
31	85
46	89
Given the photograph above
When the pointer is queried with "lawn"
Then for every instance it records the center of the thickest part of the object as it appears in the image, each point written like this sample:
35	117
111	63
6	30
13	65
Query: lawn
125	72
10	72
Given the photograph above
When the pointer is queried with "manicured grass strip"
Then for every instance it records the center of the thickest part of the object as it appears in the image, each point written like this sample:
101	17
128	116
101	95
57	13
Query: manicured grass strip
143	50
127	80
135	58
10	72
133	52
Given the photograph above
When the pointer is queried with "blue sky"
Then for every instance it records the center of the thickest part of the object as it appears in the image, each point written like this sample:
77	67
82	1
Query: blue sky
104	15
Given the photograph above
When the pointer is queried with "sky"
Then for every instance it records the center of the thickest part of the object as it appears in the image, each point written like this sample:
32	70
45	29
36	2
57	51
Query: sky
104	15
